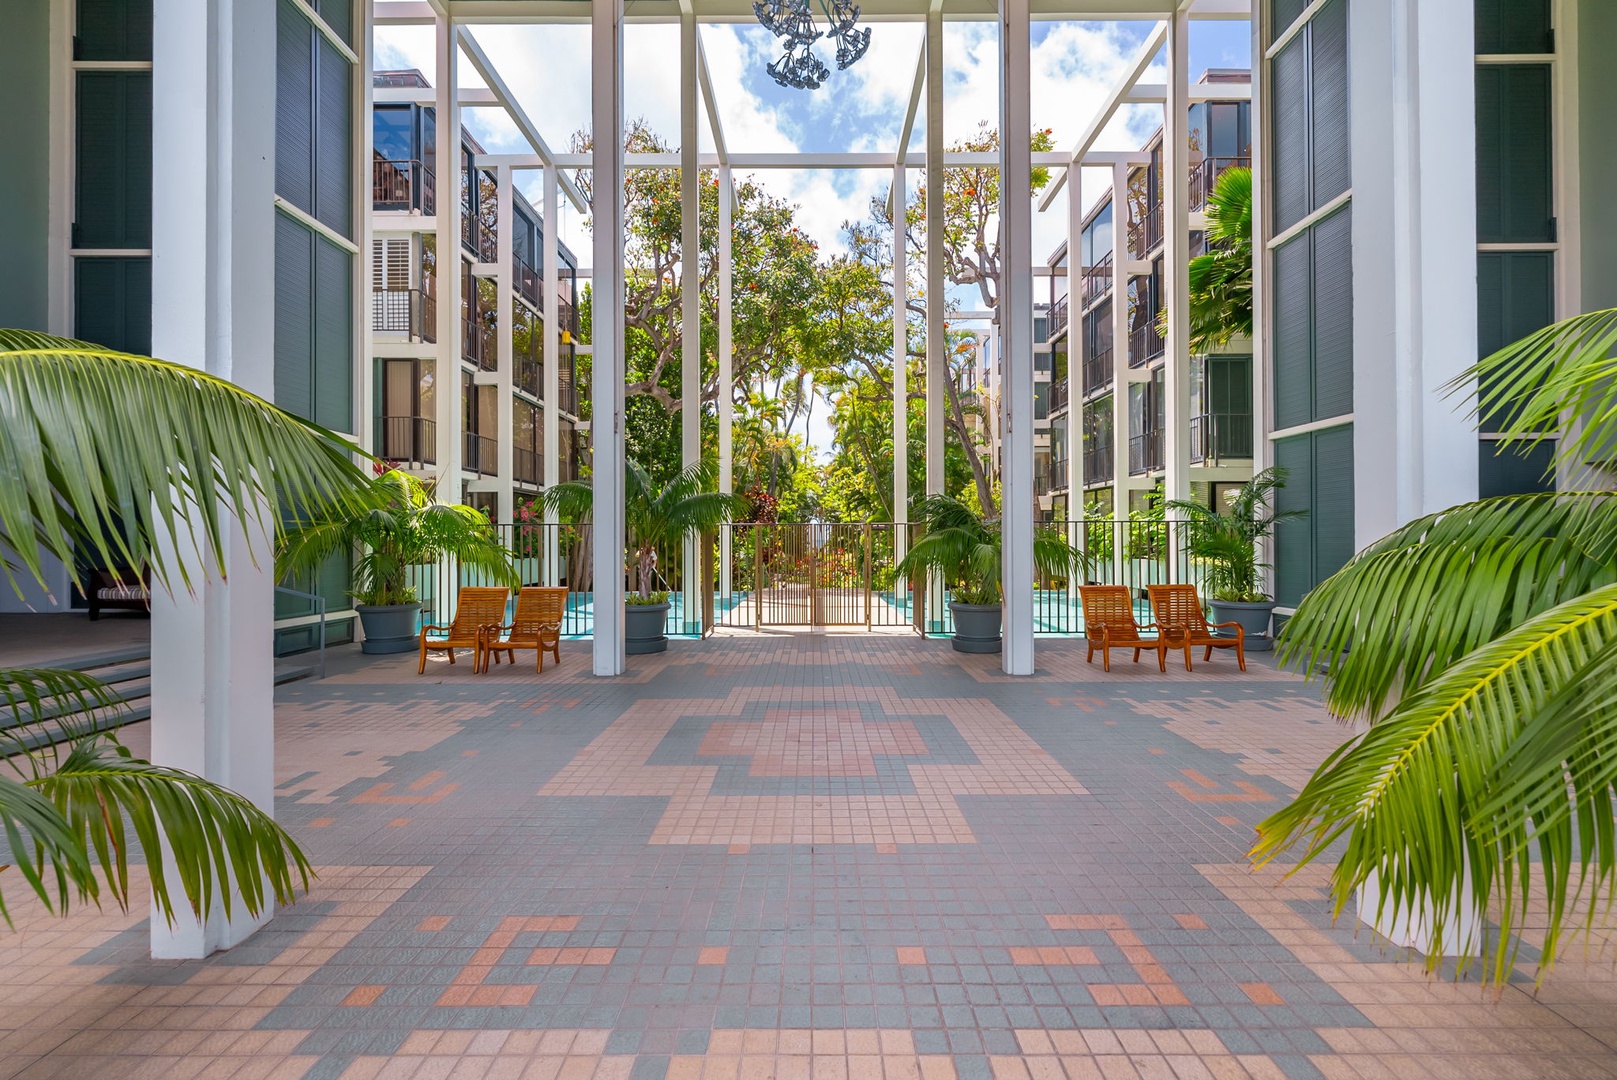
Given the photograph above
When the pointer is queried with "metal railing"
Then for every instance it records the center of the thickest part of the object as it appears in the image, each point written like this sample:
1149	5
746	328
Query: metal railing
411	312
479	342
1098	280
1145	452
1145	343
527	466
481	454
1204	177
567	390
1097	371
403	185
1146	233
411	441
1098	464
1058	474
477	237
1056	320
528	282
318	603
1059	395
1216	437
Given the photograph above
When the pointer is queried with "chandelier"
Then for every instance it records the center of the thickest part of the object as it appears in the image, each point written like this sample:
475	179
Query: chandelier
793	20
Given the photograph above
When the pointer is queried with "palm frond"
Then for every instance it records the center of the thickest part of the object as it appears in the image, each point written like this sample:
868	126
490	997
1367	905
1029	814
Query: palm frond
89	435
35	699
570	501
212	836
43	849
1484	567
1430	797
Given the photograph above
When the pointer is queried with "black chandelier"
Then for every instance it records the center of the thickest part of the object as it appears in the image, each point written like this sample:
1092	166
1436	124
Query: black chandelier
793	20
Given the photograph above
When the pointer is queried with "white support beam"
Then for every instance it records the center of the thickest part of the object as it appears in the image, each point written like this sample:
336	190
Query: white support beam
937	357
491	75
428	95
1131	75
550	261
710	101
404	13
1176	233
1120	350
451	444
505	288
607	370
690	287
908	129
726	374
952	159
1016	336
901	371
1077	353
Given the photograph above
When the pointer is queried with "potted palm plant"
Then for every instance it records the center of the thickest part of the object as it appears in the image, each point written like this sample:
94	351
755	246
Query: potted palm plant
1226	542
964	549
402	528
657	519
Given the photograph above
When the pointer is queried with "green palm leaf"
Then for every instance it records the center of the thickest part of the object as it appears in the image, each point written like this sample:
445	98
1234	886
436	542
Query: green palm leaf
35	700
1431	797
43	848
89	436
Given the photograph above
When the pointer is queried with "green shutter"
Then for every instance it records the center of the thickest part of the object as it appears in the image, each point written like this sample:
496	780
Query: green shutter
1515	297
333	138
1513	26
1289	97
1282	13
1505	469
112	303
339	15
1329	108
1292	365
113	200
113	30
294	107
1515	173
294	317
1293	556
1333	316
333	364
1331	517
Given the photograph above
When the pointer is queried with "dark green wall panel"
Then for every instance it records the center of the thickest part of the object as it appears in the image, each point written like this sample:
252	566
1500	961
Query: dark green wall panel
113	196
112	303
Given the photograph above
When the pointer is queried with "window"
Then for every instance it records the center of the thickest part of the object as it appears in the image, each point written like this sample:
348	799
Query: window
1319	480
313	136
393	129
1313	323
1513	26
1515	170
1310	117
313	326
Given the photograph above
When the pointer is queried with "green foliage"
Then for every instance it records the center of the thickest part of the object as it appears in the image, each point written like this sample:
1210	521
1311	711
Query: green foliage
1221	279
1227	539
965	550
650	599
1481	645
401	528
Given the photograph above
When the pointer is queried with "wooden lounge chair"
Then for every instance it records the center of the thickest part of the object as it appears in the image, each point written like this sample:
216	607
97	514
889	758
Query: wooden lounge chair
1109	623
477	609
123	590
536	625
1179	615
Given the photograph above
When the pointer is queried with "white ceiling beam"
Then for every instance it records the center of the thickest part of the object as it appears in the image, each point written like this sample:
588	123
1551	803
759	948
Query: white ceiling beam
874	11
426	95
916	86
955	159
710	101
491	75
403	13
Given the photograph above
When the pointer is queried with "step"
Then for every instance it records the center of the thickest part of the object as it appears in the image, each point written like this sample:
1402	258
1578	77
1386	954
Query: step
90	661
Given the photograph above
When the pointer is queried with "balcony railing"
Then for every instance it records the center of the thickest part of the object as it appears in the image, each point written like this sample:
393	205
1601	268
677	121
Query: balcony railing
1216	437
481	454
1056	321
1146	234
1058	474
527	467
477	237
410	312
403	185
1098	464
1097	371
529	282
1098	280
412	441
479	343
1059	396
567	390
1145	452
1204	177
1145	344
566	317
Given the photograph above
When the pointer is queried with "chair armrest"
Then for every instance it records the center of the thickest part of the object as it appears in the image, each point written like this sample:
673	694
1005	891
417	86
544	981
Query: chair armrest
1240	631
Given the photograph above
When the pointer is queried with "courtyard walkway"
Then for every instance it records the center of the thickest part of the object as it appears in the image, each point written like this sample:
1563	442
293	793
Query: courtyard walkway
792	858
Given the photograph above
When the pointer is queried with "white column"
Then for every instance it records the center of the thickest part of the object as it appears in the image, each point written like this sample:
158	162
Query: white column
937	360
213	127
726	403
607	370
451	445
365	371
1262	193
690	273
1176	259
901	366
1120	352
550	257
504	288
1016	333
1077	352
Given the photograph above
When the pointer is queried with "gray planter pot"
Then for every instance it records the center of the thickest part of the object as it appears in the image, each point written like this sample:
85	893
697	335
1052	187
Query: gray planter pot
977	627
393	628
1253	617
643	629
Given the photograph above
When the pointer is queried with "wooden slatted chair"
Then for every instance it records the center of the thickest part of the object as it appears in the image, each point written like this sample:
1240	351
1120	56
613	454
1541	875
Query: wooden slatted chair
1109	623
536	625
478	608
1178	610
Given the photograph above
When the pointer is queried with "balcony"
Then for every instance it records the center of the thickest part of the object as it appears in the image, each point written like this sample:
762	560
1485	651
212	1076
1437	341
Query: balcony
1098	371
1058	474
1204	177
1145	452
1098	463
1146	234
482	453
566	388
529	282
1145	344
410	441
1098	280
403	185
1058	395
1041	478
477	237
1219	437
479	344
1056	321
527	467
410	312
529	372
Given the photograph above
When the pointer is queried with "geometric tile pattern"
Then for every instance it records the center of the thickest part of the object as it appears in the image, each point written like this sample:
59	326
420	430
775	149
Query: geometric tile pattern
806	858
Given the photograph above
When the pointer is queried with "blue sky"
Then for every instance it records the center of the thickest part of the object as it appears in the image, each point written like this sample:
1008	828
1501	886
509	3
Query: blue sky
861	109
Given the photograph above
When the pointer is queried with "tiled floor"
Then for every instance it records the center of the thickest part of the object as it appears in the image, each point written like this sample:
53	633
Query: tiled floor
794	858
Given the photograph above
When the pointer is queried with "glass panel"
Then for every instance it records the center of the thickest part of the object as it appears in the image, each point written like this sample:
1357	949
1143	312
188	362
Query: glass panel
392	127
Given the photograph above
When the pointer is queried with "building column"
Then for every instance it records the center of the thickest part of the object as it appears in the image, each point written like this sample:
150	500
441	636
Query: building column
1077	351
726	402
550	416
1120	356
1176	260
690	336
1016	334
213	127
451	443
607	367
901	366
937	358
505	289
